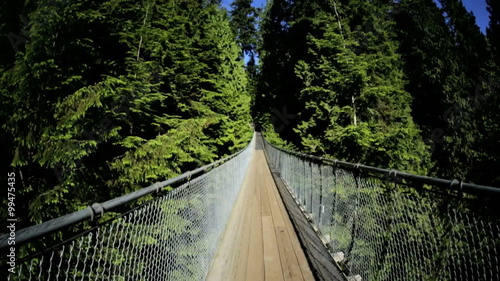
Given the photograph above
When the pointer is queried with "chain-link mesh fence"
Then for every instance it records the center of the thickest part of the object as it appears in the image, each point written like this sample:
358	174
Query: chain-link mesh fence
173	236
381	227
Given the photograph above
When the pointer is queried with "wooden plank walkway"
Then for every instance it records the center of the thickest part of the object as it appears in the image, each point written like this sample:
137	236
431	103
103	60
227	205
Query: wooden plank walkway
260	242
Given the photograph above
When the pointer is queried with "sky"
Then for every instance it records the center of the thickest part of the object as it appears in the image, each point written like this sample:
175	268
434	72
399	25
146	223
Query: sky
478	7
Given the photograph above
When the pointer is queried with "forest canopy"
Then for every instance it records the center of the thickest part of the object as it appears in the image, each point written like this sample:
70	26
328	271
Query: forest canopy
100	99
411	85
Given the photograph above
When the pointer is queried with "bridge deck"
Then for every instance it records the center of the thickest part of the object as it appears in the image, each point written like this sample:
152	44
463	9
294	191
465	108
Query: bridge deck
260	242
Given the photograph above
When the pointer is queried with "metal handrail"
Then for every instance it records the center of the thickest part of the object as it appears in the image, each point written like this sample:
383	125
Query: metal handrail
31	233
397	175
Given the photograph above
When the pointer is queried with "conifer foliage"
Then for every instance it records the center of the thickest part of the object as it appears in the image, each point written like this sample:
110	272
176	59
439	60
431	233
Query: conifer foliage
493	30
348	83
243	22
108	98
408	84
451	78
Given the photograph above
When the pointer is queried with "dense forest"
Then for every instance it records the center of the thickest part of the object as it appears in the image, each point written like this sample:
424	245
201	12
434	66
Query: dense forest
102	98
410	85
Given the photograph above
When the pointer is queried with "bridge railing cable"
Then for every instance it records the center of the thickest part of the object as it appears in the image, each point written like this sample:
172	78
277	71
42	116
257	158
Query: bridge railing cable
381	224
173	235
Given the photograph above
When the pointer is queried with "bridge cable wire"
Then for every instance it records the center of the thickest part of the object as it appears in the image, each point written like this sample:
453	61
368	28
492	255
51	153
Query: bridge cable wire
173	236
381	224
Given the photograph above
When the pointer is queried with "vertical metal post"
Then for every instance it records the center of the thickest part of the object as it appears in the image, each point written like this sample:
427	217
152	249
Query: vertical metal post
304	171
311	186
301	180
334	199
320	203
354	229
289	169
295	177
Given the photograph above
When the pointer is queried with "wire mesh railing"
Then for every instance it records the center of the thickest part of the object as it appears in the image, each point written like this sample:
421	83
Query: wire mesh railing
386	225
172	236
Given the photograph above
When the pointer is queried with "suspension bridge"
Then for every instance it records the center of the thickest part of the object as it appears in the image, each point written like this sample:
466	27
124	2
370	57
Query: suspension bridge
266	213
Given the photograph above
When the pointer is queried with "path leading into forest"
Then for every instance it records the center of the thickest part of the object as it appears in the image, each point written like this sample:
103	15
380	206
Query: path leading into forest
260	242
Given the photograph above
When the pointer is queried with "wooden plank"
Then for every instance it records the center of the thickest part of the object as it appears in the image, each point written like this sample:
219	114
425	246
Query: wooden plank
289	262
299	253
255	264
259	242
313	248
240	248
224	265
244	246
272	261
266	205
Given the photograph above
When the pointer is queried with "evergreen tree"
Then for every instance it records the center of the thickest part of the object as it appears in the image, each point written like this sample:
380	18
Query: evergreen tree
471	66
47	71
364	110
426	47
448	69
280	50
243	20
243	24
161	91
487	171
493	30
347	84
